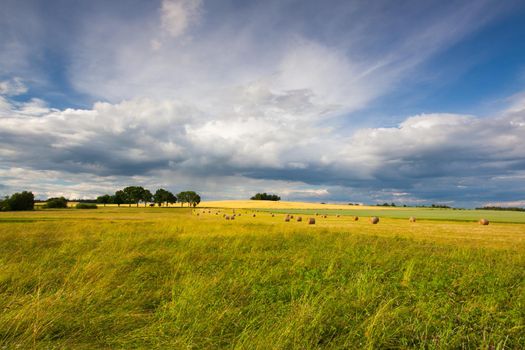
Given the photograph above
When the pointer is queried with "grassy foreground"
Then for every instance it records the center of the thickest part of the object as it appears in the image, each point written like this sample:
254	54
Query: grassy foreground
167	278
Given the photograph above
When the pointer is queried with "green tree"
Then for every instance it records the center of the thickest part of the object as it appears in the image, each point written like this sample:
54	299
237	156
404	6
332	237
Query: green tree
164	196
104	199
59	202
193	198
134	194
171	198
19	201
160	196
146	196
119	198
190	197
182	197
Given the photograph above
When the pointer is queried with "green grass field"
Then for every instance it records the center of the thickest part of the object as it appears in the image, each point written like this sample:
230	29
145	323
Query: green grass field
169	278
420	213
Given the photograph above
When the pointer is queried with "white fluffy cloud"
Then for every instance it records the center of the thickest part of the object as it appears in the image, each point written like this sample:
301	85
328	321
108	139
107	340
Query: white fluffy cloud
12	87
128	58
178	15
435	145
151	139
517	103
33	107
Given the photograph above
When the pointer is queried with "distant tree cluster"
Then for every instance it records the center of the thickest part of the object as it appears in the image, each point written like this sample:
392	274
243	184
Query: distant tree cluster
18	201
501	208
440	206
105	199
189	197
129	195
86	206
387	205
58	202
266	197
164	196
138	194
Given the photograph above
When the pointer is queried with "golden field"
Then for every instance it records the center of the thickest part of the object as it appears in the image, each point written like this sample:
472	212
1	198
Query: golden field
157	278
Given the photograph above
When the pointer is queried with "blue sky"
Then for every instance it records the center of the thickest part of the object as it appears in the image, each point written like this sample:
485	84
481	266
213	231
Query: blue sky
416	102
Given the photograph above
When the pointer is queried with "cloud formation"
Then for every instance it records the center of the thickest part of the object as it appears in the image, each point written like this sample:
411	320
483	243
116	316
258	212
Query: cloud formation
178	15
12	87
423	156
229	98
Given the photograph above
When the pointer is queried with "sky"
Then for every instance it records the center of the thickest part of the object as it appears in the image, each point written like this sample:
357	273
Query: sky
413	102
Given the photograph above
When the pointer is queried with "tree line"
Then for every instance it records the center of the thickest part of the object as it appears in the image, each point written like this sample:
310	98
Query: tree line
265	197
138	194
130	195
501	208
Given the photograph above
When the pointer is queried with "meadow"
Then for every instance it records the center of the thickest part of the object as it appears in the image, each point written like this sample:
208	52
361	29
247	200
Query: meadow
184	278
304	208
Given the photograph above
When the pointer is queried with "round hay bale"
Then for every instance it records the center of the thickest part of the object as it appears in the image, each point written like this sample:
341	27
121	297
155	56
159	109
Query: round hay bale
216	213
287	218
227	217
311	221
238	214
253	215
232	217
291	216
316	214
374	220
273	215
325	216
299	219
337	215
412	219
483	222
356	218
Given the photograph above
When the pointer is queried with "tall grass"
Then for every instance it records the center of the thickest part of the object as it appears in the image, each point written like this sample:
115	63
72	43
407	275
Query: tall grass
164	278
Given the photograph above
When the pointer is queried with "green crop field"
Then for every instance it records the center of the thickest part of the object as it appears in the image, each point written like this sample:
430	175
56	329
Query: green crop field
179	278
419	213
